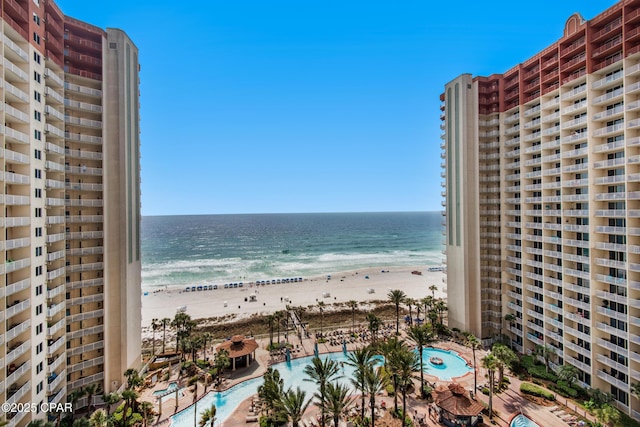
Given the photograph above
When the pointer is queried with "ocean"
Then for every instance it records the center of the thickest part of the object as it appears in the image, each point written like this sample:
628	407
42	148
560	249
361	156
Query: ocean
216	249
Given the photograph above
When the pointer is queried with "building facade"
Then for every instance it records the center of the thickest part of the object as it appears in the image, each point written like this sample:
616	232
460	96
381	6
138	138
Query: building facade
542	202
70	194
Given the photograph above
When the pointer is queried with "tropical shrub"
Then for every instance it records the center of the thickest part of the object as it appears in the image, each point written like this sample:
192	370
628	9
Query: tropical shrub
534	390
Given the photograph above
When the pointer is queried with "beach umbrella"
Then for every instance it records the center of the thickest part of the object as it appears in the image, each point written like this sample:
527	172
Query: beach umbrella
315	349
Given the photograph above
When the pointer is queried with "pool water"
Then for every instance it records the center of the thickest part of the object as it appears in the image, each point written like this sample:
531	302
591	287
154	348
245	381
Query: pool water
453	365
170	388
292	375
522	421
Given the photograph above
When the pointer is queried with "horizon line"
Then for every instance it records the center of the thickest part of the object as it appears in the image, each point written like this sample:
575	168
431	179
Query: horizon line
289	213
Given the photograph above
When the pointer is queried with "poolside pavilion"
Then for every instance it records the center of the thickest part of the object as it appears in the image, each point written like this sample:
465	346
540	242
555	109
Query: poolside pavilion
241	350
455	406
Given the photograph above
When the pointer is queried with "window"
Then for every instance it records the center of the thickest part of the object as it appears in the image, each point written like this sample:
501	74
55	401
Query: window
37	76
37	135
36	56
38	173
37	115
38	250
36	19
40	386
37	154
39	329
38	212
38	231
36	38
39	348
37	96
38	290
38	193
39	270
39	367
38	309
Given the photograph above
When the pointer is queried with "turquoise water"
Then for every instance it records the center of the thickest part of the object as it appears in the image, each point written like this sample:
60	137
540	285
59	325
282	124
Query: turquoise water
453	366
171	387
217	249
292	374
522	421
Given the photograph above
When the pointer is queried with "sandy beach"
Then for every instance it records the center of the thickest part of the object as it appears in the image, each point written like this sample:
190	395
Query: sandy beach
341	287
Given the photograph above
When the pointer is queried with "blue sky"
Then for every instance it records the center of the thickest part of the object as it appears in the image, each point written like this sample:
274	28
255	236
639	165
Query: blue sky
314	106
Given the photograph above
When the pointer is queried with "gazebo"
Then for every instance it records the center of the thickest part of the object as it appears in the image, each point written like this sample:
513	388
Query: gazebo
241	350
455	406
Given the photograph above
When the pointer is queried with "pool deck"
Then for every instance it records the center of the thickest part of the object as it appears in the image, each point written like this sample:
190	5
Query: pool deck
508	403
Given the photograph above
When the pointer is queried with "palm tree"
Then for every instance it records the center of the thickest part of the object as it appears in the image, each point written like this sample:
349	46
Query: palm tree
155	325
208	416
98	419
193	381
165	322
74	396
321	371
353	304
184	325
130	398
505	357
110	399
360	359
336	401
294	405
270	320
510	318
91	391
545	352
473	343
406	363
221	363
374	384
374	325
433	289
489	363
146	410
321	307
206	339
278	318
420	335
397	296
389	350
569	373
133	378
271	391
410	303
440	306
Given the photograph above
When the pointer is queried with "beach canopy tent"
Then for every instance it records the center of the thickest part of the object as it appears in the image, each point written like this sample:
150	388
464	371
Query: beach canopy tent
253	297
455	406
241	350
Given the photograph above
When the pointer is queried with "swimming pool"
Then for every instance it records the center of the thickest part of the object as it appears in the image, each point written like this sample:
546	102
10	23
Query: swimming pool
522	421
452	364
172	387
292	375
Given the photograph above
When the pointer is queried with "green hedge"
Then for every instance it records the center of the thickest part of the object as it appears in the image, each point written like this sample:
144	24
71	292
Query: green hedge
564	389
534	390
540	371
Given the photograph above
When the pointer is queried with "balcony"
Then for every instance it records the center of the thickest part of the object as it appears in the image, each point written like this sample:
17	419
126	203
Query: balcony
608	96
57	381
56	345
17	307
14	135
16	330
52	78
17	351
56	327
83	138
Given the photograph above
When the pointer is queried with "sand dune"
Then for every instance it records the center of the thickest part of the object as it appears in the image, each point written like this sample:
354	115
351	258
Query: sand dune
342	287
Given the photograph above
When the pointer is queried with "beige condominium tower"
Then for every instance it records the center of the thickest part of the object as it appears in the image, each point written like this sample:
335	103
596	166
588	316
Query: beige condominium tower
542	202
70	199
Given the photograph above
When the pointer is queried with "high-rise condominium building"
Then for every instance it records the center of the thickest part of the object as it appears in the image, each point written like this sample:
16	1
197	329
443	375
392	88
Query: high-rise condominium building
70	199
542	176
